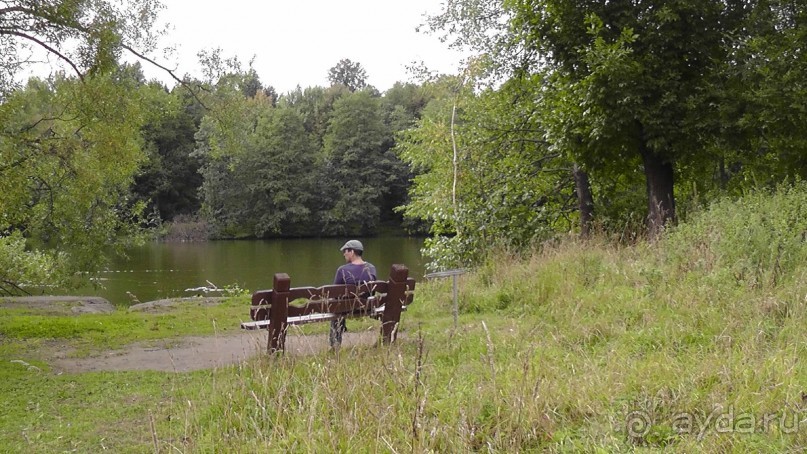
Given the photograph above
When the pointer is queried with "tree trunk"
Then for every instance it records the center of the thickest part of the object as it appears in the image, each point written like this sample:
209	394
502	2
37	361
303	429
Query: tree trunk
660	198
585	200
724	175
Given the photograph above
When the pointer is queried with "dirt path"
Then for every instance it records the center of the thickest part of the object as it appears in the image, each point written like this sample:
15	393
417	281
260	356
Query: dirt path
177	355
198	352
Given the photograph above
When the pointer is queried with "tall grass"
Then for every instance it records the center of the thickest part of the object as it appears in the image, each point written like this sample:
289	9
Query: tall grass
694	343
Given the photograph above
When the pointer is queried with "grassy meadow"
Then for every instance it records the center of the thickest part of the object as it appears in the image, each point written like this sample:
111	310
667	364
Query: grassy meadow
692	343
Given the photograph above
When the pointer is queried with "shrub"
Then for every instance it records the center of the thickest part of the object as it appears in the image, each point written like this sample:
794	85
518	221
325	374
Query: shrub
757	240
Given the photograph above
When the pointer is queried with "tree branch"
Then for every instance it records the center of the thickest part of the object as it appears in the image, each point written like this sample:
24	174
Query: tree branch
48	48
17	9
170	73
14	286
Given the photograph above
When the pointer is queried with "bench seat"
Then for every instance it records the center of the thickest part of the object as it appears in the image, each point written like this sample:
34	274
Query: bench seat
304	319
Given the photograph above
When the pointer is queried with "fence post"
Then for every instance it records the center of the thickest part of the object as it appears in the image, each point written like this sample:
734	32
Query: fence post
396	296
279	312
454	274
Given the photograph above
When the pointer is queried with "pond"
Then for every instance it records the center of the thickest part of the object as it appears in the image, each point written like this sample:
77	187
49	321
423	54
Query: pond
166	270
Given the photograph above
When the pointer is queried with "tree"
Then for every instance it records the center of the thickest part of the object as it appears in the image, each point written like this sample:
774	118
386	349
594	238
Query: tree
402	106
763	112
70	145
65	176
355	166
315	106
169	182
282	172
511	188
348	73
225	136
88	36
642	76
483	26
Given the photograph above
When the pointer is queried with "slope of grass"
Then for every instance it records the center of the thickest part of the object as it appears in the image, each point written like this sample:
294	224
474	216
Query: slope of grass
693	344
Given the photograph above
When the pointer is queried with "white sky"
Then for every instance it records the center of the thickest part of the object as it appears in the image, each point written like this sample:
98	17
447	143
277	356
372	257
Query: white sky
296	42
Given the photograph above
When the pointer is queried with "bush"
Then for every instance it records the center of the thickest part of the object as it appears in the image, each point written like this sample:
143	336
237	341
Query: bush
187	228
757	240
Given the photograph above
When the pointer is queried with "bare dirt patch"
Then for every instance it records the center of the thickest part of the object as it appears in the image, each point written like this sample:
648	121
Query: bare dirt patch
171	355
202	352
165	305
59	305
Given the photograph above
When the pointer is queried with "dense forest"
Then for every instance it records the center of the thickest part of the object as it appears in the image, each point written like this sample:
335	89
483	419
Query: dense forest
611	116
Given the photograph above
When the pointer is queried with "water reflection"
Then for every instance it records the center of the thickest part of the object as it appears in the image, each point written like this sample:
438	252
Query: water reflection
165	270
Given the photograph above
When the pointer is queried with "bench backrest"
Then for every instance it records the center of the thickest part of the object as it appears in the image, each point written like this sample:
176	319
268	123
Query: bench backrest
348	300
339	299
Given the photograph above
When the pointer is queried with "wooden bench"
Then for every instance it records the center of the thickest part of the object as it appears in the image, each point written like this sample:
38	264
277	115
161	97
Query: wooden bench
283	305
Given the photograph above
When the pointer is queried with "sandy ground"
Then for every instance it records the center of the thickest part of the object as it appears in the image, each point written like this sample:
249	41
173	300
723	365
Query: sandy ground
196	352
175	355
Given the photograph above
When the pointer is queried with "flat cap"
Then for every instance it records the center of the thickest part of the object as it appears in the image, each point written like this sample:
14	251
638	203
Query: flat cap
353	244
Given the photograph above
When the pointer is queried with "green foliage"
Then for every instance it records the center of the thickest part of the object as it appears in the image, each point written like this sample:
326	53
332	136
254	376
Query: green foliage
762	111
226	135
70	146
281	175
87	35
20	265
261	173
315	105
349	74
648	91
403	104
511	190
317	162
69	151
169	181
356	168
757	240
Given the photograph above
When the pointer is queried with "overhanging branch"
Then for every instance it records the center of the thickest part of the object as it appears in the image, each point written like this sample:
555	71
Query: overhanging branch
47	47
170	73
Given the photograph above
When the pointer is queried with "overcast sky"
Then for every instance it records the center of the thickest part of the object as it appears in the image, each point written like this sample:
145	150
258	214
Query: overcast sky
296	42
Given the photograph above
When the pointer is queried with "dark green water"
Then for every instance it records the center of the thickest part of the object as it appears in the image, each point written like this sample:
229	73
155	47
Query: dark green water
166	270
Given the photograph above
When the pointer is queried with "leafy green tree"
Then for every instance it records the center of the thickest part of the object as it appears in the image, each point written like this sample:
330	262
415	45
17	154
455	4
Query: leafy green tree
170	180
483	26
685	91
427	149
315	106
281	175
402	106
503	186
356	168
348	73
225	136
763	111
70	146
88	36
642	75
68	154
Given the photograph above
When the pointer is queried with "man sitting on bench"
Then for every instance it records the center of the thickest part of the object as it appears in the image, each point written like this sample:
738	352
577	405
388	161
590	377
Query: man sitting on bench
355	272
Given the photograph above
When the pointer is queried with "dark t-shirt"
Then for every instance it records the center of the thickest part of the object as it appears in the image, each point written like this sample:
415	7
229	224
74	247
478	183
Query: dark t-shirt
355	274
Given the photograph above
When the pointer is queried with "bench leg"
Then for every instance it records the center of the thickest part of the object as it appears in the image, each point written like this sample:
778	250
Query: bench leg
396	295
